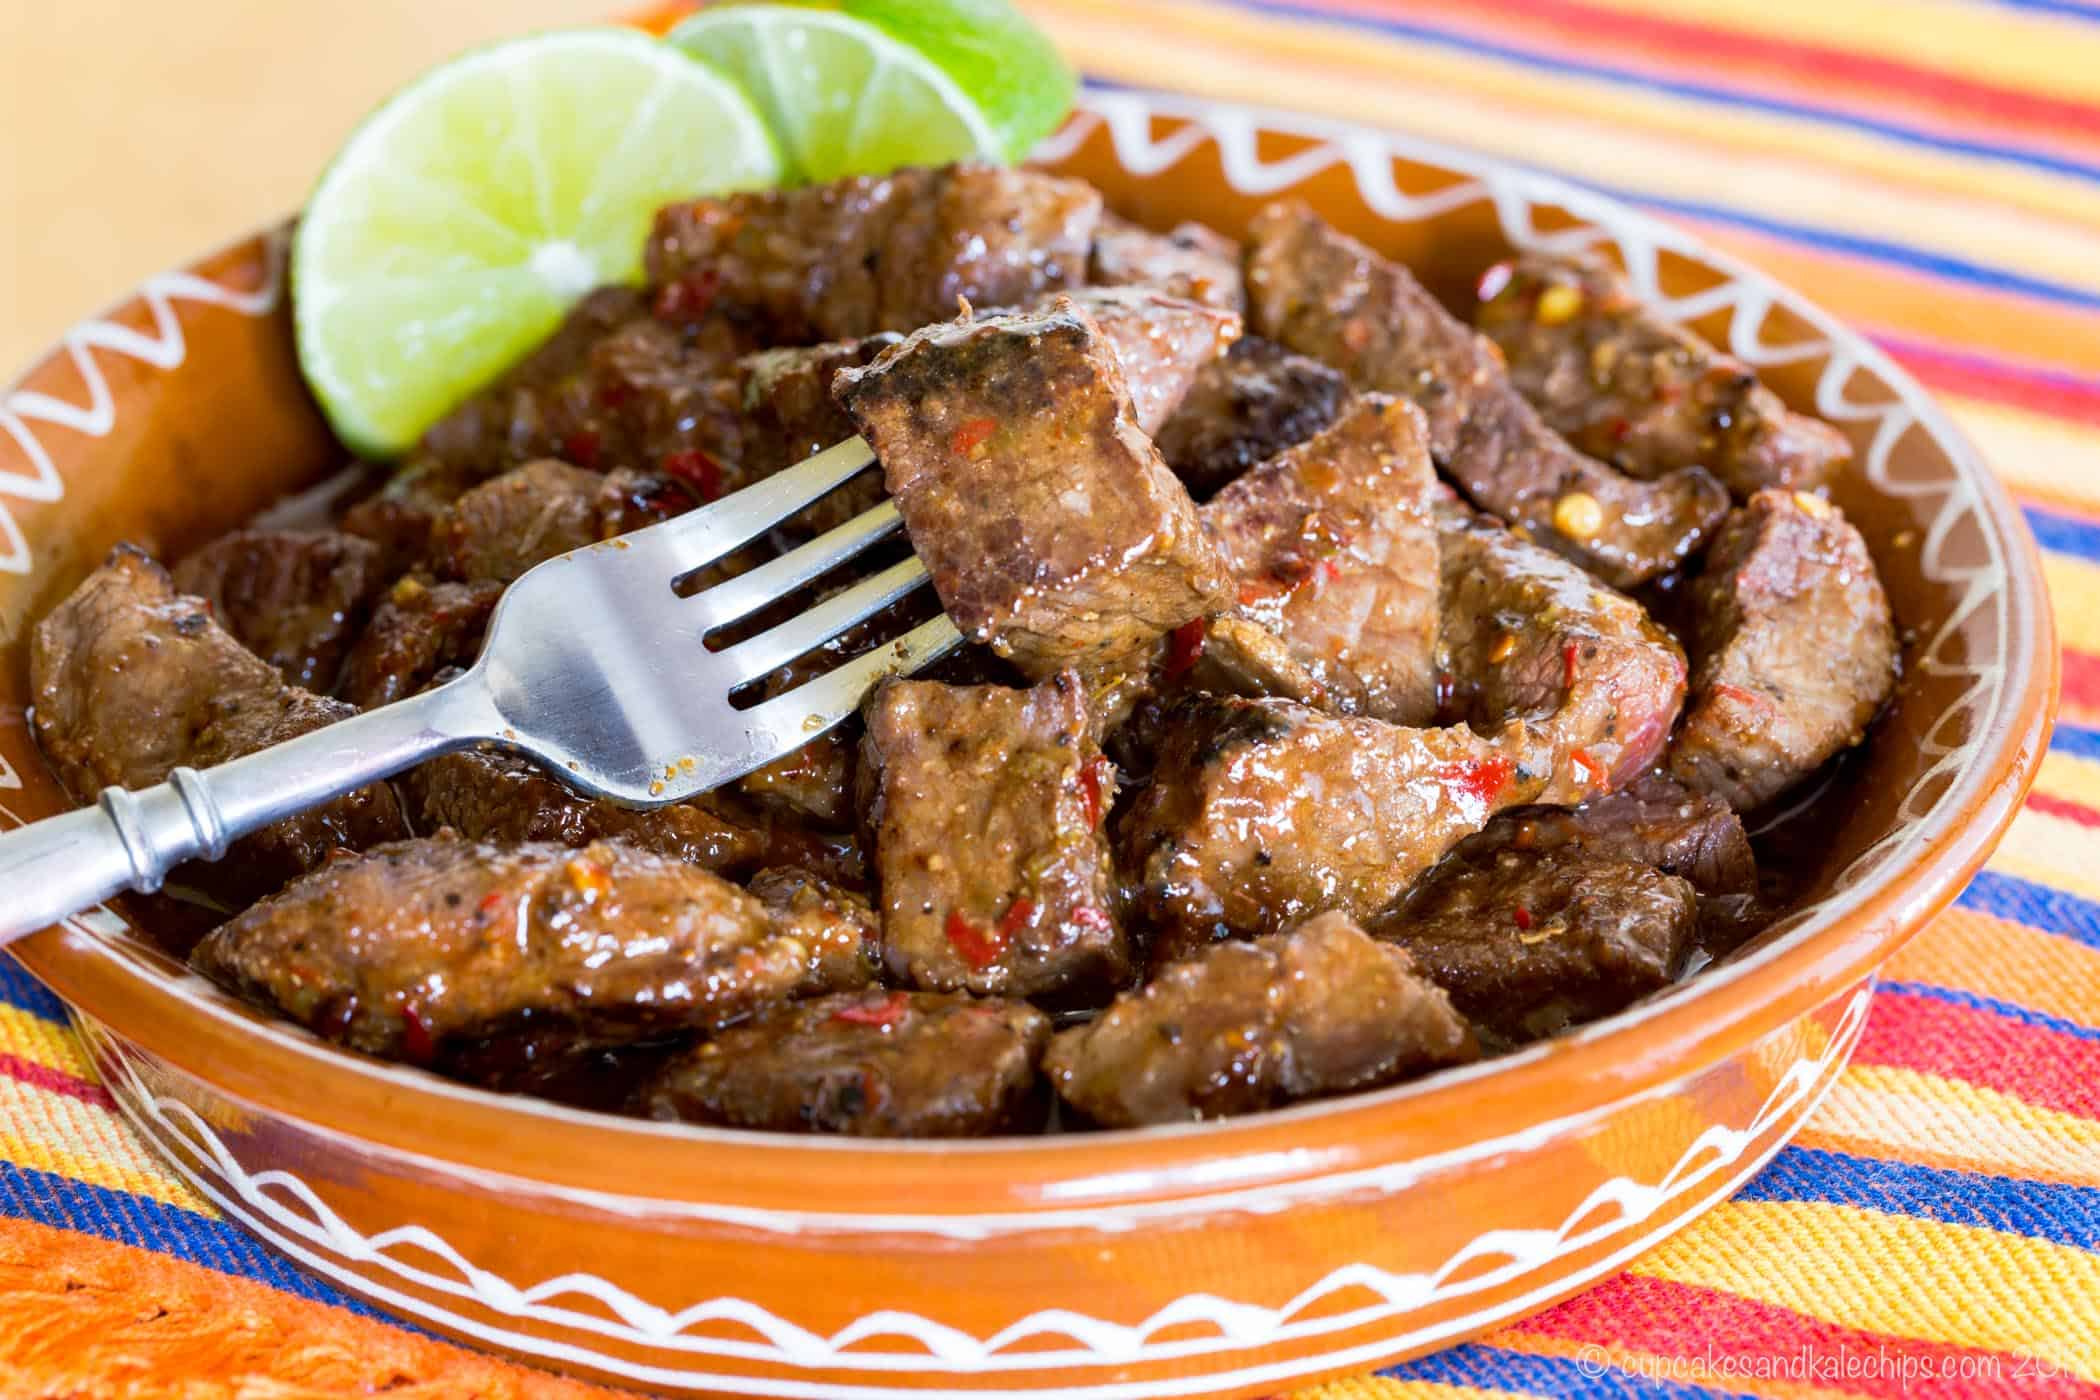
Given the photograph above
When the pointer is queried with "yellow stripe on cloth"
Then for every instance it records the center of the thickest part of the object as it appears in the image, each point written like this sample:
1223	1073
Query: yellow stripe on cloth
2073	779
2033	452
2050	851
1970	951
1880	1111
1896	1274
28	1036
2074	593
52	1132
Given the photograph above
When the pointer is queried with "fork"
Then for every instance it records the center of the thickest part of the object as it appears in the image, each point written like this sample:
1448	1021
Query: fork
595	667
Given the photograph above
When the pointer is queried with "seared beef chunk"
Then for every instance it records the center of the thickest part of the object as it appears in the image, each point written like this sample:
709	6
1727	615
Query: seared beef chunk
1191	261
1655	821
1794	647
867	1064
1051	527
1527	635
418	629
804	903
1530	943
789	414
877	253
1247	1026
987	805
1334	547
504	526
1323	293
1262	813
295	598
1245	407
398	516
615	386
133	680
415	948
1640	392
1163	343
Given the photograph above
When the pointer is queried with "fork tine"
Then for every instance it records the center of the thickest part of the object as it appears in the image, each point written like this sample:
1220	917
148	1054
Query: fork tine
700	537
748	660
776	578
800	715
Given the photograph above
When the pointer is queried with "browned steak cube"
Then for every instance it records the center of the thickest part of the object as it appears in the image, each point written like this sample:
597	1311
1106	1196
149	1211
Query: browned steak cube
789	414
878	253
416	948
1262	813
1334	547
296	598
1640	392
1527	635
1530	943
1052	529
1794	650
1191	260
506	525
1324	294
804	903
1163	343
1241	1027
875	1063
399	515
1246	406
133	679
987	807
418	629
1655	821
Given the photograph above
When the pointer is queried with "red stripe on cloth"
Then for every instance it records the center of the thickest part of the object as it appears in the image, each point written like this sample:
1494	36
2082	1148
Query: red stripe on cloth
2063	807
1661	1318
56	1080
2032	1063
2032	387
2081	683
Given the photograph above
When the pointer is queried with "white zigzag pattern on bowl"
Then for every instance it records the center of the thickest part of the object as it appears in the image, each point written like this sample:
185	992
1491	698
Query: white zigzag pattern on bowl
284	1209
164	349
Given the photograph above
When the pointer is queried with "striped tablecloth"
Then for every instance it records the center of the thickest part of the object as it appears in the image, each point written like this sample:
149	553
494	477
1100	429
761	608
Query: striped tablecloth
1928	170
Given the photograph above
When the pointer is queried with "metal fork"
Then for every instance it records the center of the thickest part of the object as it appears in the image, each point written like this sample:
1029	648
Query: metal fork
595	666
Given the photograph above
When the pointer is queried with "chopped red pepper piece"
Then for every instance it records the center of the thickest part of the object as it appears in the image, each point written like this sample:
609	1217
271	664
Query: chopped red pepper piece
1087	916
1742	696
416	1041
1568	657
581	447
1620	429
690	297
1014	919
1479	778
697	469
1330	569
1523	918
1094	784
491	902
1184	646
980	948
887	1012
971	435
614	392
1588	764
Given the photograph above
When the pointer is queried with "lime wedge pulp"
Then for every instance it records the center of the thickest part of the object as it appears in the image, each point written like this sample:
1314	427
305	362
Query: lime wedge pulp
470	211
861	87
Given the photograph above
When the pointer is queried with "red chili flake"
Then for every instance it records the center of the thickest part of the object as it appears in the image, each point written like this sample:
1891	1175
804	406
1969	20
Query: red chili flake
1093	788
1568	656
1330	570
696	469
416	1041
1184	646
1588	764
581	447
492	901
614	392
1479	778
980	948
689	298
1742	696
887	1012
1620	429
1523	918
1014	919
1495	280
1670	391
1087	916
1356	333
1252	593
971	435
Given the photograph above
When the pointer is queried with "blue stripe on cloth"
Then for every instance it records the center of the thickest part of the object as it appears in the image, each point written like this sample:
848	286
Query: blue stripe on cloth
1497	1368
2040	1210
18	988
2012	1011
2076	740
2037	906
51	1199
2065	534
1699	92
2070	9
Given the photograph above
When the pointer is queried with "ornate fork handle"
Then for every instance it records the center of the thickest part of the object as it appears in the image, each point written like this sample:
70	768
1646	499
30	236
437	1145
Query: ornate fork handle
131	840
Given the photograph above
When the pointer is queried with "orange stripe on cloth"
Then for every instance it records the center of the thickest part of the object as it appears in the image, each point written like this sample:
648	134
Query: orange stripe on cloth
89	1317
1970	951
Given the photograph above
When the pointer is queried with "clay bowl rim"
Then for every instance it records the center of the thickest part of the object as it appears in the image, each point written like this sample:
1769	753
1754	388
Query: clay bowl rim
1709	1018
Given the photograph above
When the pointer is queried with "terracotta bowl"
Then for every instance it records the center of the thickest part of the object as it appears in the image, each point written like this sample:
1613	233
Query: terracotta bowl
1225	1258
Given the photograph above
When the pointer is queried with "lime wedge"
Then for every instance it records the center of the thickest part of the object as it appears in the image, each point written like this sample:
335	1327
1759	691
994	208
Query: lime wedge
860	87
465	216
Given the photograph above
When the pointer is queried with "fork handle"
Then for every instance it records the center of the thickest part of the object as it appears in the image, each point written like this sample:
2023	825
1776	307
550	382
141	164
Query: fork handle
130	840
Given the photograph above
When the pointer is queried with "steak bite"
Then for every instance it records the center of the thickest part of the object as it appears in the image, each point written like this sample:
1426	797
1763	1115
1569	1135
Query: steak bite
1641	392
789	415
503	527
296	598
1334	547
419	629
1324	294
133	679
1262	813
1526	635
1794	650
873	1063
1162	343
1246	406
1051	527
877	252
1192	261
1654	821
416	949
1241	1027
1530	943
986	806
